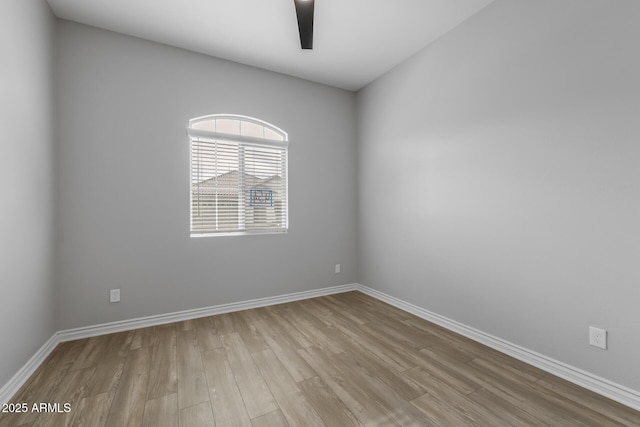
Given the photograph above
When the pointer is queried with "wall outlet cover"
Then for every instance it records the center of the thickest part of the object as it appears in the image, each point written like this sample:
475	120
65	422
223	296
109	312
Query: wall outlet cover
598	337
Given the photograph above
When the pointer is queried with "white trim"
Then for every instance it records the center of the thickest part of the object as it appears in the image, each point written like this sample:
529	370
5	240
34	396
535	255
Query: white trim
245	232
246	140
161	319
602	386
13	385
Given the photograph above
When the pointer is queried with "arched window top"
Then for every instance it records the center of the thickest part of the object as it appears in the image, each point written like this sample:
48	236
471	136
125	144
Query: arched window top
240	127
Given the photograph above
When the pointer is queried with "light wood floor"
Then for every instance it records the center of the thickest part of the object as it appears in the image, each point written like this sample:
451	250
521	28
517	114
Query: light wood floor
340	360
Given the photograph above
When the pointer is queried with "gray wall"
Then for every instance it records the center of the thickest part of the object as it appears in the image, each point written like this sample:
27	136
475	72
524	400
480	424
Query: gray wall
123	181
26	203
499	179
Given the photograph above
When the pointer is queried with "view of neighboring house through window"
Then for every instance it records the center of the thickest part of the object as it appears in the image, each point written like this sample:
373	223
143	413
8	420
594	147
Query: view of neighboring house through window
238	176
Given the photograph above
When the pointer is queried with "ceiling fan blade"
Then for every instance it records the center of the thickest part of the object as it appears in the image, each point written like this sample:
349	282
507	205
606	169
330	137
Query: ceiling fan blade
304	10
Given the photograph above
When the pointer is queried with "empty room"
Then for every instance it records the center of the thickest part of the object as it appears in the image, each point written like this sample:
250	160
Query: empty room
320	213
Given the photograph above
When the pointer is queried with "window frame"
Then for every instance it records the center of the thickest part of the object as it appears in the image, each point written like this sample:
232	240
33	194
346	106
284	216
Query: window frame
242	141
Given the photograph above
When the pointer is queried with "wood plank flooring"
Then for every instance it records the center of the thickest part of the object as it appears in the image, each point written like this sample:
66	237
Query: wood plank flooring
340	360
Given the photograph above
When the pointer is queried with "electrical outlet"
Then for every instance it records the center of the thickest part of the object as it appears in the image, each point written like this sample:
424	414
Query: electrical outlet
114	295
337	269
598	337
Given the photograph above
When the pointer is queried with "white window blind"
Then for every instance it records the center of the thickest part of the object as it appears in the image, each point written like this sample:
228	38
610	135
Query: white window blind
238	176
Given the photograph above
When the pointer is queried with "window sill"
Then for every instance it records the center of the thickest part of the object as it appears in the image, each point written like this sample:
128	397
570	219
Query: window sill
238	233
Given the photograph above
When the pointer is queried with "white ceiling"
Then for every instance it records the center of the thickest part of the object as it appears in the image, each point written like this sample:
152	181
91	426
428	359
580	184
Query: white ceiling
355	41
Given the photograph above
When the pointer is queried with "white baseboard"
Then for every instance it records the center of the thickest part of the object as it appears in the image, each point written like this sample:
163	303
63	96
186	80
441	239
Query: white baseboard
602	386
13	385
597	384
144	322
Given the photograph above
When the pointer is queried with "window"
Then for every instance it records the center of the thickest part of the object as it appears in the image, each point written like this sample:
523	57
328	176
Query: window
238	176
